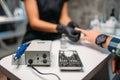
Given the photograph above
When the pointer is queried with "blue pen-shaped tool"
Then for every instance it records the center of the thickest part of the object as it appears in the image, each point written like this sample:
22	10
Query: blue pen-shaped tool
21	51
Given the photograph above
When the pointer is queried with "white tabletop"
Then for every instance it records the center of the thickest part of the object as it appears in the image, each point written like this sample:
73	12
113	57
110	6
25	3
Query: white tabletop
91	56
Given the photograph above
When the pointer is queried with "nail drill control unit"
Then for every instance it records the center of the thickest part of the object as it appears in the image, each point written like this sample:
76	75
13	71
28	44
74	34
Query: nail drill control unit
38	53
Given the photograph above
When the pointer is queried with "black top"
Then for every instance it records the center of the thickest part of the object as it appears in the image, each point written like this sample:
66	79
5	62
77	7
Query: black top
50	11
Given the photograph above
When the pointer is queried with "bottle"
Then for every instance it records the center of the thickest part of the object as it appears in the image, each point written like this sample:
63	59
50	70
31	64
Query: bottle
95	23
102	24
117	31
63	42
18	12
111	25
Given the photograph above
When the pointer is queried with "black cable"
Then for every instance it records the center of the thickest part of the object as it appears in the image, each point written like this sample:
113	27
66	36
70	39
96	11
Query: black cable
45	73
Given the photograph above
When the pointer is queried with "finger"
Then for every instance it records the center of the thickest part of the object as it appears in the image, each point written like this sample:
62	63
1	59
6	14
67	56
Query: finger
119	71
82	39
113	66
83	31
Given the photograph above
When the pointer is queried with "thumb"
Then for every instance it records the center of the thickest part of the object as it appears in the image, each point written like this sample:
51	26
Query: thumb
113	66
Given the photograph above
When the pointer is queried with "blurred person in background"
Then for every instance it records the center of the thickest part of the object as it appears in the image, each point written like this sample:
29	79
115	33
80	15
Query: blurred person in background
48	19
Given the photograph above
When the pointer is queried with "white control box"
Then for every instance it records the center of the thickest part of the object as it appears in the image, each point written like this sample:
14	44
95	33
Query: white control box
38	53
